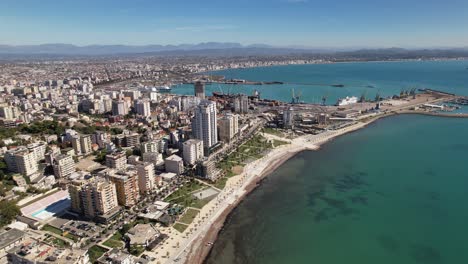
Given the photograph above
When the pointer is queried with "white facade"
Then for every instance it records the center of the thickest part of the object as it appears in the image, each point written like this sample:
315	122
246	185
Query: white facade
116	160
64	166
21	161
288	118
38	149
174	164
204	126
143	108
192	151
119	108
151	146
146	177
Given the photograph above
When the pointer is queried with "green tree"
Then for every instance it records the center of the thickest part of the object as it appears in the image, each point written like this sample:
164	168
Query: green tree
9	211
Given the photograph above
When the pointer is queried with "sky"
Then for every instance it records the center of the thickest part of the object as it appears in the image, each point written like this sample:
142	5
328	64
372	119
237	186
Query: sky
301	23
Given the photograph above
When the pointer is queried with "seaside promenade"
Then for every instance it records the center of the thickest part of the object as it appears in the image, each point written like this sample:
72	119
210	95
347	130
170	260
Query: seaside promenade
194	243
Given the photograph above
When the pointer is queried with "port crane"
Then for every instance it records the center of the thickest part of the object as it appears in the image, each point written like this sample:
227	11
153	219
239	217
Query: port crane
295	97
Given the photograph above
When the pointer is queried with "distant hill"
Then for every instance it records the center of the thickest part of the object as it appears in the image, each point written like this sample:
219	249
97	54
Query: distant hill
223	49
69	49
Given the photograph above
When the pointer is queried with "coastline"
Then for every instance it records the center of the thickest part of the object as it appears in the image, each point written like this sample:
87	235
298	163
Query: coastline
199	249
333	62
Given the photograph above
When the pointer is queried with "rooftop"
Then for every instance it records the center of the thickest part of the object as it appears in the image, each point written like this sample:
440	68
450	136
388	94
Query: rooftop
10	237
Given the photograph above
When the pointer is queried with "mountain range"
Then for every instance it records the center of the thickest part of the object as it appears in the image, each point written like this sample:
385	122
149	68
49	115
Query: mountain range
225	49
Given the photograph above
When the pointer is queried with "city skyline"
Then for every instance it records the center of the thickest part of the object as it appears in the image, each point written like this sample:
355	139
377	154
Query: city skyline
281	23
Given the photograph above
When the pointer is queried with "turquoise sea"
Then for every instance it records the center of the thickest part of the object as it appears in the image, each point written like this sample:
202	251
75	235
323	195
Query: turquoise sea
394	192
386	78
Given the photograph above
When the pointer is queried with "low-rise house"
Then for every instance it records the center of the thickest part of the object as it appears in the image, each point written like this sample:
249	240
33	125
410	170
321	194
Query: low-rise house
144	235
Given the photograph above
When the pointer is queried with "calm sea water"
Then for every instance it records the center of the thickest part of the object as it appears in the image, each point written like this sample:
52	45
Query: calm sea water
394	192
386	78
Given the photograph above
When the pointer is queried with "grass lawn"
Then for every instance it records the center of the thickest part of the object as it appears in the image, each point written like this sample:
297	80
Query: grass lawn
72	237
115	241
59	242
185	190
250	150
221	183
199	203
95	252
188	216
180	227
52	229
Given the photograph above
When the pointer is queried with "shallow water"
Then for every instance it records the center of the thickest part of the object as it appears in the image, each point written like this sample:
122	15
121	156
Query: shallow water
394	192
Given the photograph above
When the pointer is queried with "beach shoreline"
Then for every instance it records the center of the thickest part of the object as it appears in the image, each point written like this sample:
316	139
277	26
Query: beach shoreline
201	246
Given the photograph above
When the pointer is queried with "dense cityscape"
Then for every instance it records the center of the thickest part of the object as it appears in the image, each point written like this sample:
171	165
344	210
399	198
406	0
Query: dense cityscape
233	132
101	162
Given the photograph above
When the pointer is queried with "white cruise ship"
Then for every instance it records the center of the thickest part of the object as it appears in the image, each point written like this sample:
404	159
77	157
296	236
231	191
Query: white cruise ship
163	88
347	101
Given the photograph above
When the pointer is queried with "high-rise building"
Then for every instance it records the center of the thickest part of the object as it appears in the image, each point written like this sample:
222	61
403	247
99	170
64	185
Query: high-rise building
119	108
199	90
76	144
86	144
133	94
38	149
241	104
174	164
192	151
146	177
116	160
228	127
8	112
204	126
126	185
22	161
82	144
63	165
153	96
143	108
92	198
288	118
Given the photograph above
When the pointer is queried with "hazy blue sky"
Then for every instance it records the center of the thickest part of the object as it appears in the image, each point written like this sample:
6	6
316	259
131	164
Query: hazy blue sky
326	23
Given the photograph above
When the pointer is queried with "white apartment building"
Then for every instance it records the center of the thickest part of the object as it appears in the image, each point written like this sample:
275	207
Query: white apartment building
174	164
146	177
192	151
64	166
38	149
22	161
204	126
119	108
117	160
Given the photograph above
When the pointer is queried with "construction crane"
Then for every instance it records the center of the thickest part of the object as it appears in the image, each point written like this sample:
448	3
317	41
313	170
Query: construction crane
295	97
362	99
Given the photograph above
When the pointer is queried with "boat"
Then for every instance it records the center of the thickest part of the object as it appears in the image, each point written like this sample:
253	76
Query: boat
347	101
163	89
337	85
